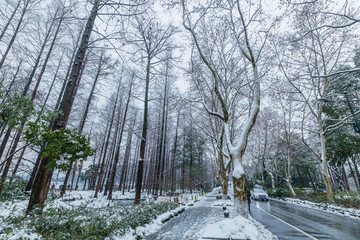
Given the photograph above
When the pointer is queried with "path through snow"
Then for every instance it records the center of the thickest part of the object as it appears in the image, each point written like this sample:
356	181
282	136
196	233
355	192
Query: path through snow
205	220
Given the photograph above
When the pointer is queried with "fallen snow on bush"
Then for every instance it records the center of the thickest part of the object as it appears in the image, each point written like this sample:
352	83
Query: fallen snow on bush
80	216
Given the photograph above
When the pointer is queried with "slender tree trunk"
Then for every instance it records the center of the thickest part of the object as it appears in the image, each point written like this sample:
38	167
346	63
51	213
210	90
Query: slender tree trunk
173	163
85	184
163	140
12	40
97	166
46	59
353	175
311	179
345	179
301	180
117	154
9	20
126	159
10	87
157	161
139	177
183	167
134	166
74	54
101	173
324	167
356	169
78	177
191	160
7	164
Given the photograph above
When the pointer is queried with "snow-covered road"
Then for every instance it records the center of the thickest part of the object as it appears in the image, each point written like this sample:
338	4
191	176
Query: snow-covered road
188	224
289	221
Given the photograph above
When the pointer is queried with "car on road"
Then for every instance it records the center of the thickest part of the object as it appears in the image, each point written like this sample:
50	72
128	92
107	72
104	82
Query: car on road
259	194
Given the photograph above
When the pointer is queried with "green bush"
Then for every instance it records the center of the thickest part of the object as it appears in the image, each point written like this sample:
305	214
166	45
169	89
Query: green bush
279	193
348	201
343	199
85	222
14	191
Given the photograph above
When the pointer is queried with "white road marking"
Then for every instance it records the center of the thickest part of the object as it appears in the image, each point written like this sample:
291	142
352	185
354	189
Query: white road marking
298	229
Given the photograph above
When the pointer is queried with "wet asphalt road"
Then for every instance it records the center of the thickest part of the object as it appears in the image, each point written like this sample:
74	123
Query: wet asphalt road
289	221
285	220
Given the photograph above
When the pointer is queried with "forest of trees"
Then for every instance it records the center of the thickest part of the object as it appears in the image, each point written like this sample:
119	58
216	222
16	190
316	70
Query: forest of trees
166	96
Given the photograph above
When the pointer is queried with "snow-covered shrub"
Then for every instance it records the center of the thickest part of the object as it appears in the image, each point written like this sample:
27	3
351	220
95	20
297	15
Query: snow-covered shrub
87	221
351	200
14	191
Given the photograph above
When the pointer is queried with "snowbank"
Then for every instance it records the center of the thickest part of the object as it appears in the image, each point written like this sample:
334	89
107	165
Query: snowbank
237	228
348	212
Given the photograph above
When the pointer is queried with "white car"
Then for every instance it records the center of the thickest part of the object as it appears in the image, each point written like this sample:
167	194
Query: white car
259	194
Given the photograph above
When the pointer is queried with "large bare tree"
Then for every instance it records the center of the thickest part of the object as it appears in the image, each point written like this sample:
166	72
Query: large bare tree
239	28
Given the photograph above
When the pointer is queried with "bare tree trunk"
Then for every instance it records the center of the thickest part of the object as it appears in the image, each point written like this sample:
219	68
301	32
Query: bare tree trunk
311	179
117	154
163	141
7	164
77	180
191	160
353	175
12	40
126	159
183	167
151	167
173	169
43	178
101	153
134	166
157	162
139	177
345	179
85	184
356	169
101	173
58	102
10	19
324	167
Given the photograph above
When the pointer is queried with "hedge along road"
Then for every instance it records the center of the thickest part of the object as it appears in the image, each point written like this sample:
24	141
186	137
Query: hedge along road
289	221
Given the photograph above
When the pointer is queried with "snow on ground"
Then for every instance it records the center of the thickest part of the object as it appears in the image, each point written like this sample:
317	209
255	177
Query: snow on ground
15	209
348	212
235	227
